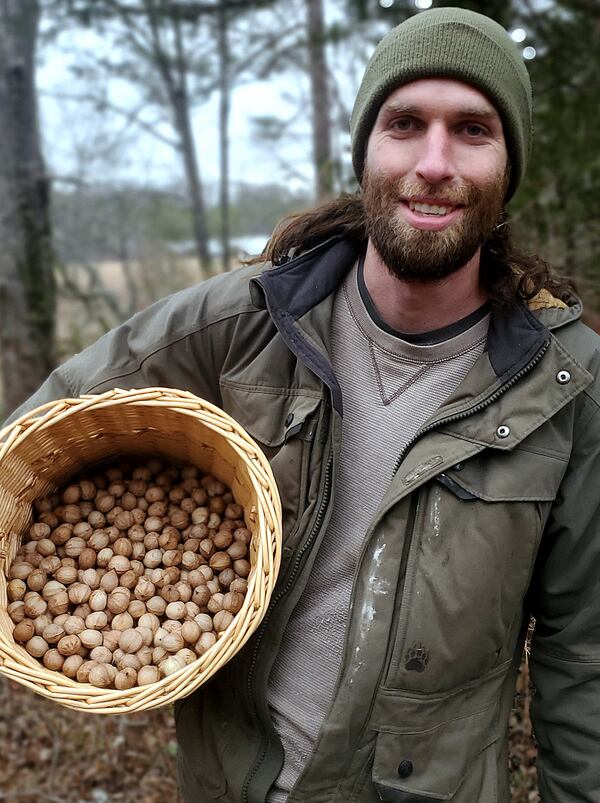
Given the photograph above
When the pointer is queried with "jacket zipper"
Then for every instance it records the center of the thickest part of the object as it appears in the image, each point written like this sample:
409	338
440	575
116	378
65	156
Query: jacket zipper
412	515
414	505
478	407
405	552
406	546
274	602
456	417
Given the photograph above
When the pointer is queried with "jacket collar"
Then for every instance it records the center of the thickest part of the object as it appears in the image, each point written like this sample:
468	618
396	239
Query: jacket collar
291	290
304	281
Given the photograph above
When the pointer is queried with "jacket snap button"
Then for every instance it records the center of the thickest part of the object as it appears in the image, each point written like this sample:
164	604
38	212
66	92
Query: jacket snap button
563	377
503	431
405	768
289	419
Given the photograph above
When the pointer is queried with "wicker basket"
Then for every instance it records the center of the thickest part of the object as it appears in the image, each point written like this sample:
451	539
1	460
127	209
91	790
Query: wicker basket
42	450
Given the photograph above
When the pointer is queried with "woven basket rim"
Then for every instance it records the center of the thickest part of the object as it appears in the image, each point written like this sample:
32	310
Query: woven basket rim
17	664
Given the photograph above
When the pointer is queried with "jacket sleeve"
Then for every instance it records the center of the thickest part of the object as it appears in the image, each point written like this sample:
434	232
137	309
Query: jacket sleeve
179	342
566	644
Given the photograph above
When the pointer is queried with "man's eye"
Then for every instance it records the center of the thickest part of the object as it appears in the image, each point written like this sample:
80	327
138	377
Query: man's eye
474	130
403	124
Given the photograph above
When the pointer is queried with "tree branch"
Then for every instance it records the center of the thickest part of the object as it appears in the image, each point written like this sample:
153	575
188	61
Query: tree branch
187	11
96	291
132	116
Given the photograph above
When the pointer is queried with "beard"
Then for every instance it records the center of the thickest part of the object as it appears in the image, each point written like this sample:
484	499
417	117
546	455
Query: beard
416	255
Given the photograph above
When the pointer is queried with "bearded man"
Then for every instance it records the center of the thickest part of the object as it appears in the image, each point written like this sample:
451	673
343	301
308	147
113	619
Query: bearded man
428	399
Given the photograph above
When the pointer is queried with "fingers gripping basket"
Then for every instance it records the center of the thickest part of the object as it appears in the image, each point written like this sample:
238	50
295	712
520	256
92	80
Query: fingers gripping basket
42	450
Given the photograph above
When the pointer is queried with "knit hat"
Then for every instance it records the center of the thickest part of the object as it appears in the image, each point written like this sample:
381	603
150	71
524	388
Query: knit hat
449	43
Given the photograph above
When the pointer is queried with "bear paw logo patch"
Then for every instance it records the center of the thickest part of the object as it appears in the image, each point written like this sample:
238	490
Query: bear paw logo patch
417	658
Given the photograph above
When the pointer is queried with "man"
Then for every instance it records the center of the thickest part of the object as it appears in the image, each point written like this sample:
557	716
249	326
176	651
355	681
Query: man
429	404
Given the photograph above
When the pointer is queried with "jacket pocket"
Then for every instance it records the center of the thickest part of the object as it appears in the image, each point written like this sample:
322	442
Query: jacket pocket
520	475
283	423
438	747
473	546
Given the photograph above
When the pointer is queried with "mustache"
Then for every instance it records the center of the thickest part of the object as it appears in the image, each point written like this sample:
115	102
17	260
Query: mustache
458	194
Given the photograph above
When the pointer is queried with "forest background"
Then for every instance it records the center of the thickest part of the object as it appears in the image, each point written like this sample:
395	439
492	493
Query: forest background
148	144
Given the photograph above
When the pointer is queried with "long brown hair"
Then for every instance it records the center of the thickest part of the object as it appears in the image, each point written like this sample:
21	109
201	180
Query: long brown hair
508	274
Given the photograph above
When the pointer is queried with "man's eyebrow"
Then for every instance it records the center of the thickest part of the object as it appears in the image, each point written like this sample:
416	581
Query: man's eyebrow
483	112
400	108
479	111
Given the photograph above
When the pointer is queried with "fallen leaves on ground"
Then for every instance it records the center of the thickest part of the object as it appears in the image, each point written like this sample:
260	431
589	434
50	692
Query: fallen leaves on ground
50	754
522	751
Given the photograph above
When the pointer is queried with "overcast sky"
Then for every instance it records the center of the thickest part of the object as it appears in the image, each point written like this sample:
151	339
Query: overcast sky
73	136
75	141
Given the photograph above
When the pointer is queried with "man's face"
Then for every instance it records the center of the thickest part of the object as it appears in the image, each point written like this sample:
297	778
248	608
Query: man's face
435	178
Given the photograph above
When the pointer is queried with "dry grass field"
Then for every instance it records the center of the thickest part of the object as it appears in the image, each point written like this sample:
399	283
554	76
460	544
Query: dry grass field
95	297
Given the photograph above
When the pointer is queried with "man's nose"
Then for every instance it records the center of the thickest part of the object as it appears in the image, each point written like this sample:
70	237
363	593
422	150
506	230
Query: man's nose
435	161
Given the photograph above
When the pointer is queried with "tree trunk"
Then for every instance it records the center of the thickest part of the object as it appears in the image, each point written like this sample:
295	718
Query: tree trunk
182	123
319	84
27	292
224	103
180	102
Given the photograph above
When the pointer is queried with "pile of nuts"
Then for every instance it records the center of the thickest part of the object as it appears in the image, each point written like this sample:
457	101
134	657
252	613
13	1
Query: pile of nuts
130	575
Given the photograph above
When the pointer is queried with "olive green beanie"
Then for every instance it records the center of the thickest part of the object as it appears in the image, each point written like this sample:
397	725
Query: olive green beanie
449	43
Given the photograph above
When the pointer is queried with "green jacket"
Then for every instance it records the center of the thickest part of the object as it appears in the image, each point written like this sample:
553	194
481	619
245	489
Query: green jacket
492	514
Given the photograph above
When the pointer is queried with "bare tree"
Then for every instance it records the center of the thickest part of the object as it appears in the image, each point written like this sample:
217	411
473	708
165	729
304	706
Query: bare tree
26	278
174	70
224	105
319	83
176	54
153	48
